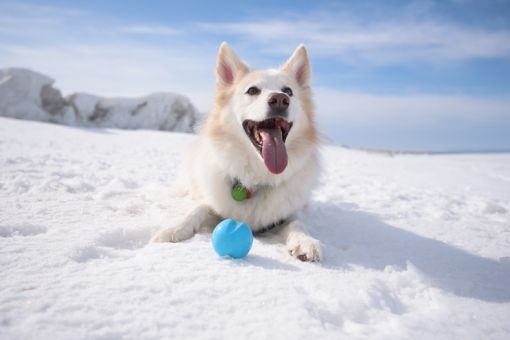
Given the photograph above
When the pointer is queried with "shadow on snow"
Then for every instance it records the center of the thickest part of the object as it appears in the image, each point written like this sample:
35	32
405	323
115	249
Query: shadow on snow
359	238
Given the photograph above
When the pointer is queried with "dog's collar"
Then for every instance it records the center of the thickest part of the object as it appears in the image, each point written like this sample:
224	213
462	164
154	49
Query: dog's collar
270	227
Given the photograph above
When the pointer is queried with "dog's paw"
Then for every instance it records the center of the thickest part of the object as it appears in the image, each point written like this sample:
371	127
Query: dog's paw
304	247
172	234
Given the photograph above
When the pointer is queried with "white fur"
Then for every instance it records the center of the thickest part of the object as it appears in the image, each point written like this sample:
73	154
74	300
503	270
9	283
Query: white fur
212	164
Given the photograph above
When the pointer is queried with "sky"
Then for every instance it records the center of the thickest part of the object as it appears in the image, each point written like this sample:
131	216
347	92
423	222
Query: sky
399	75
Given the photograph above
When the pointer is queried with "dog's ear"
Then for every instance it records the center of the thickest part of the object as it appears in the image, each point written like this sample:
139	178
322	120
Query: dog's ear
298	66
228	66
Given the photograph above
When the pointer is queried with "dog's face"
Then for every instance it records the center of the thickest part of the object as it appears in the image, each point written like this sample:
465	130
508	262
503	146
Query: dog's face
270	111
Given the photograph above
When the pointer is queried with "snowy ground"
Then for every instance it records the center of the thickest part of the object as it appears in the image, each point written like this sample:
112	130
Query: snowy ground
415	247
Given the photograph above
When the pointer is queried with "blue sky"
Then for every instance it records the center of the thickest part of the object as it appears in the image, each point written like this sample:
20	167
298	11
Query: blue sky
402	75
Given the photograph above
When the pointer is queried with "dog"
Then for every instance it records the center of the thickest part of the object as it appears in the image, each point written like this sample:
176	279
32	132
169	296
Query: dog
256	158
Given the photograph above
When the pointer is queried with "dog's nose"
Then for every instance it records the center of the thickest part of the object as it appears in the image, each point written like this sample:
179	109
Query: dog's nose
278	101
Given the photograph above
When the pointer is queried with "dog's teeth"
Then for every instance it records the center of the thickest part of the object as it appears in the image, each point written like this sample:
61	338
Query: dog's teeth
258	138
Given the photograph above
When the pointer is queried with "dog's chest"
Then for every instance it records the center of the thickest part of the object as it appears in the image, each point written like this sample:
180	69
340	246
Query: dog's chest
267	204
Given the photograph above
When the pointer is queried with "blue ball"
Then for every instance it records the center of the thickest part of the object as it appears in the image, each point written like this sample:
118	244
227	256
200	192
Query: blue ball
232	238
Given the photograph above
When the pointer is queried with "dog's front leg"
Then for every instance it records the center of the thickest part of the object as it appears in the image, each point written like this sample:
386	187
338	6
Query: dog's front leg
200	217
299	243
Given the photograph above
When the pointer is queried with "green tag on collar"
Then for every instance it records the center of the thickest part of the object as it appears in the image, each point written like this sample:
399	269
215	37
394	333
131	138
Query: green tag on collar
240	192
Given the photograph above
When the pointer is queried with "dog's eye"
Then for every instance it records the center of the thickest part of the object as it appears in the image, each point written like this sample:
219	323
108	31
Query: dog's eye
253	91
288	91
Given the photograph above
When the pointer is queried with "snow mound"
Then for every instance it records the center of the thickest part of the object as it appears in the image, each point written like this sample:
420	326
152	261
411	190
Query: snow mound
416	247
26	94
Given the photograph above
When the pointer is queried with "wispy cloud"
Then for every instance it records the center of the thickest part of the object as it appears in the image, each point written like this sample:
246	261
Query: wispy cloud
148	29
377	42
40	10
413	122
416	108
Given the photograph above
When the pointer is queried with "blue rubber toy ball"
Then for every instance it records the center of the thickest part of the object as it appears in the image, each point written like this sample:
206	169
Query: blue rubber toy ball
232	238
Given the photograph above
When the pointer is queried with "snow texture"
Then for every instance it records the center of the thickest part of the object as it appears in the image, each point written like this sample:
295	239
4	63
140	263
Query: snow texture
25	94
416	247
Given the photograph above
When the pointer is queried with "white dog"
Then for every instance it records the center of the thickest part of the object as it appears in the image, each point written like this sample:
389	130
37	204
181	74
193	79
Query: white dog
256	158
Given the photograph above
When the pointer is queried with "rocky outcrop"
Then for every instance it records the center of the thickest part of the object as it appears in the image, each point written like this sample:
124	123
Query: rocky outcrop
26	94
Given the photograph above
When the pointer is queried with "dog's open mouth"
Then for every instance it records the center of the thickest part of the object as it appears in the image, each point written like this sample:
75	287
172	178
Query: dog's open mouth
268	137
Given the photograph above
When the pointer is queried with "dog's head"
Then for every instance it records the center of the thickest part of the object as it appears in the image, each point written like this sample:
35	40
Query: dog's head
270	111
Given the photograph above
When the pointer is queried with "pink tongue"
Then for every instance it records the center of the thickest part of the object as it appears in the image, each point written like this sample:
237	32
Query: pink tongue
273	150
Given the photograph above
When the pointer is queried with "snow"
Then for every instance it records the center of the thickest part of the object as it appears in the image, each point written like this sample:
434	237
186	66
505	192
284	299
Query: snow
416	246
25	94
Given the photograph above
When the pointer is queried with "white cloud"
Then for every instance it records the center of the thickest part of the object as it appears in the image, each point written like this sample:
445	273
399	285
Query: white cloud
377	42
148	29
29	9
408	108
413	121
